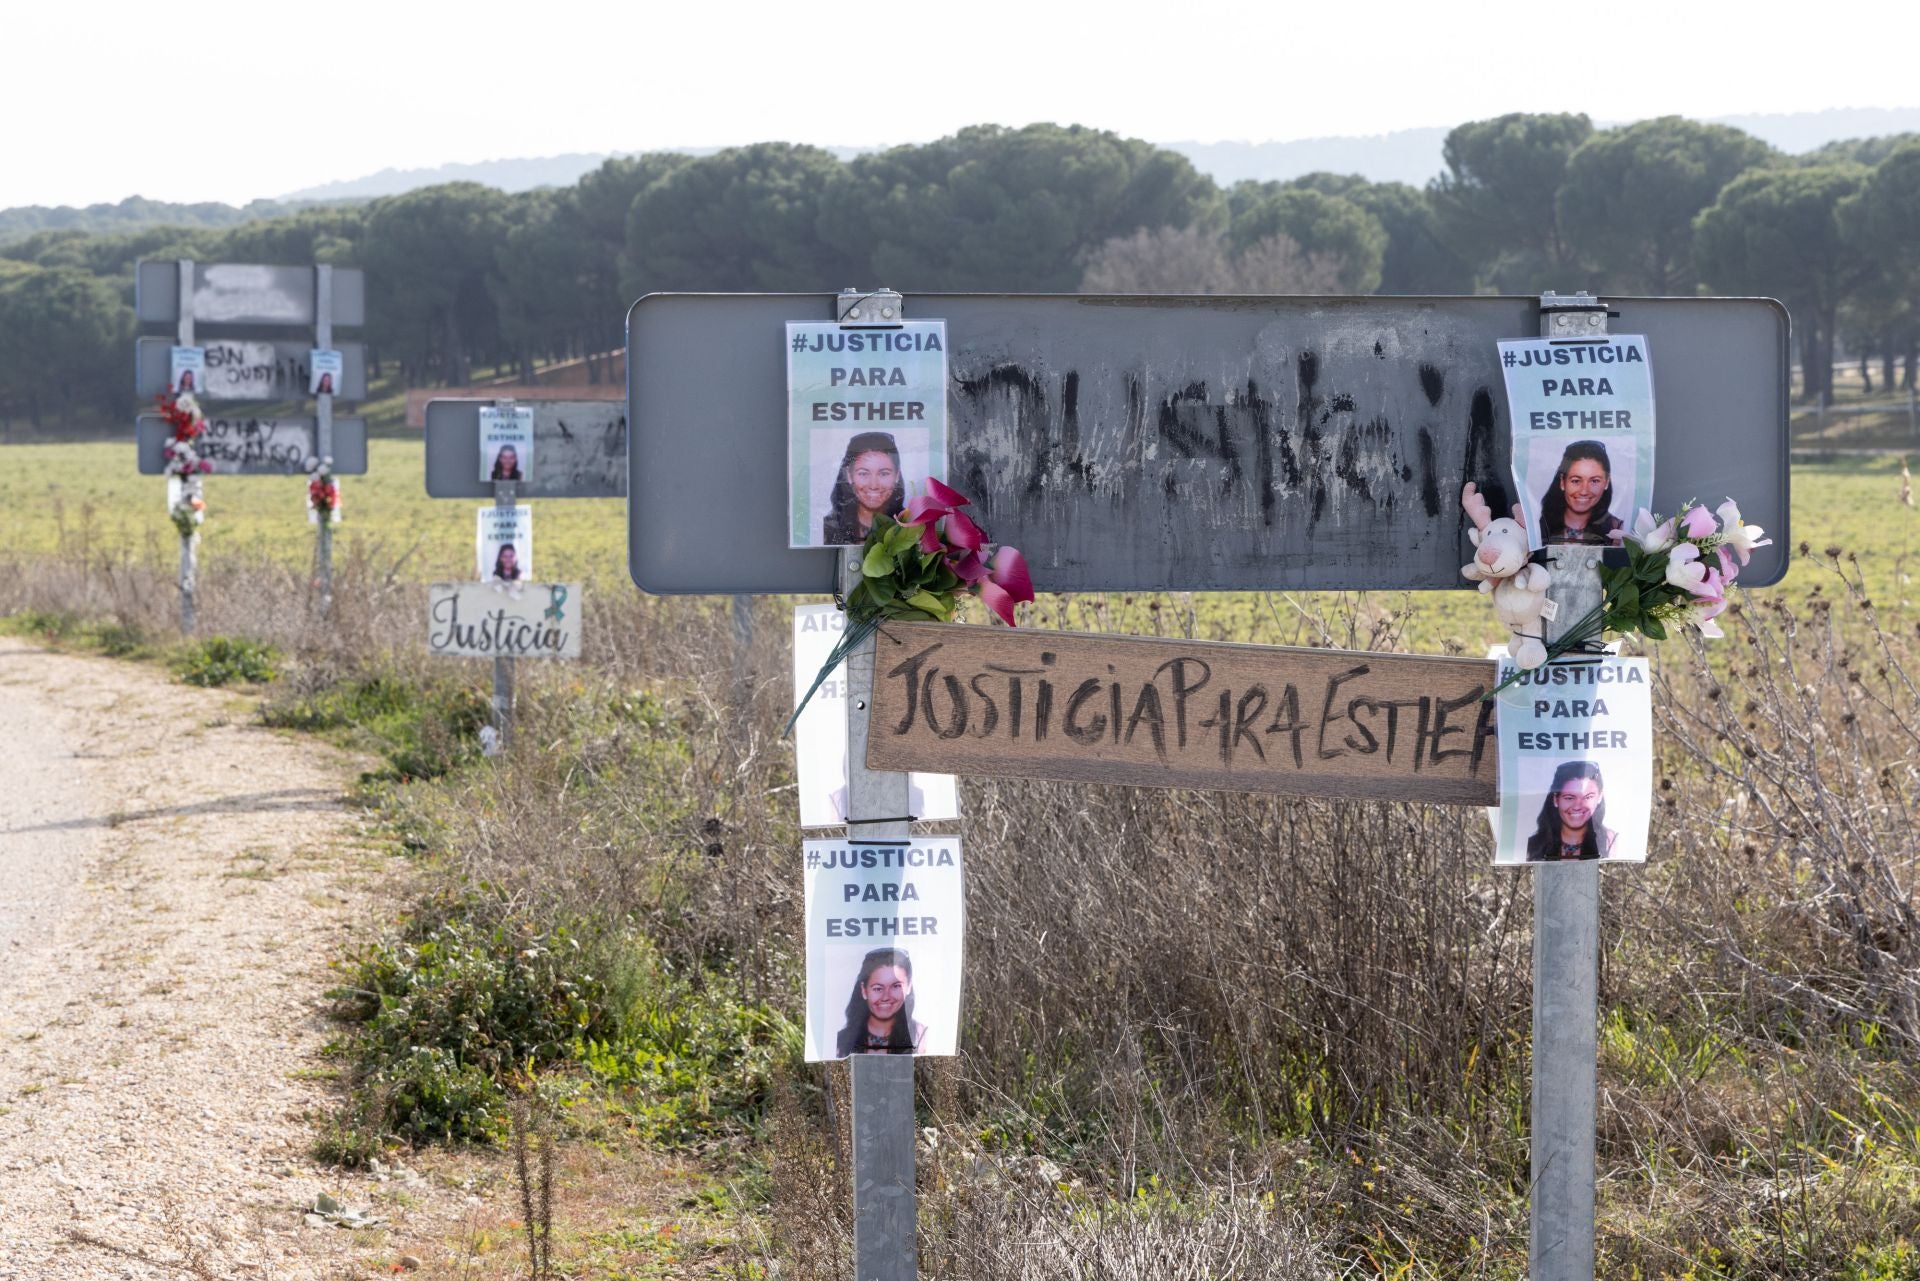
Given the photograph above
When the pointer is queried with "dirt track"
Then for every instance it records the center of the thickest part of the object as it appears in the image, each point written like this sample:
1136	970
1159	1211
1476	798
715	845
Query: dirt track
174	879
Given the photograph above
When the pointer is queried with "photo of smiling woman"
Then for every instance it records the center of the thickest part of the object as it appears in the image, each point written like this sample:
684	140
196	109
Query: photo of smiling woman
880	1011
1577	507
870	483
1573	818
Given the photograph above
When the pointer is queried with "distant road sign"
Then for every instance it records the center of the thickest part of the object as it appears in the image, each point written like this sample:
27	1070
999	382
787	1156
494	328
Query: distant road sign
496	620
1206	443
250	369
581	449
228	293
242	445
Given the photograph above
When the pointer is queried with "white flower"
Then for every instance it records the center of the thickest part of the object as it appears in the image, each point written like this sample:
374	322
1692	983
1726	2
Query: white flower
1653	536
1684	569
1740	536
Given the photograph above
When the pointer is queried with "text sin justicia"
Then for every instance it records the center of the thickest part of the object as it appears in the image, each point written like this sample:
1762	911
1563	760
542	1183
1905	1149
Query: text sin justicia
1182	703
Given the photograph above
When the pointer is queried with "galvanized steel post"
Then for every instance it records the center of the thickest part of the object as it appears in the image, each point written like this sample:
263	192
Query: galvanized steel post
884	1215
1566	952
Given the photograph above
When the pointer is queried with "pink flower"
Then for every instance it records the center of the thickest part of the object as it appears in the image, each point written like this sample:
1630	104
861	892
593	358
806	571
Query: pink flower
1698	522
1652	535
1008	583
1711	586
969	568
1742	537
939	500
1710	600
1729	568
1684	569
963	533
946	494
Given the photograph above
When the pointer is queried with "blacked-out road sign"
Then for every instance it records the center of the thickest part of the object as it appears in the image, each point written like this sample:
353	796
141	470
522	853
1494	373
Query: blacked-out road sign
1186	443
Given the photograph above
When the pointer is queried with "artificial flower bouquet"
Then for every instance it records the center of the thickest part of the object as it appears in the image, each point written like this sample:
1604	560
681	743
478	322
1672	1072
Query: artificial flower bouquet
915	569
1677	574
323	492
185	505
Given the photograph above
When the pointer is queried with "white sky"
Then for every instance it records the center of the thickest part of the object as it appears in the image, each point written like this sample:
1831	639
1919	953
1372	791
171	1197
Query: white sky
220	100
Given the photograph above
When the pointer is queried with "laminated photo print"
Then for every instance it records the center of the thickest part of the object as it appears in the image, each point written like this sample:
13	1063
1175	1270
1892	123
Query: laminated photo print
866	425
886	923
1582	421
503	545
187	371
506	443
326	370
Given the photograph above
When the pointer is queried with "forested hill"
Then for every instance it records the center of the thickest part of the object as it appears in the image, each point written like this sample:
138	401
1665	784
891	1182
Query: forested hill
133	212
462	273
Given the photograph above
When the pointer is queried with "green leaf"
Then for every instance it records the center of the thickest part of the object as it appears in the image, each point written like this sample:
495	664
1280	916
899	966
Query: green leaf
931	604
878	562
1653	627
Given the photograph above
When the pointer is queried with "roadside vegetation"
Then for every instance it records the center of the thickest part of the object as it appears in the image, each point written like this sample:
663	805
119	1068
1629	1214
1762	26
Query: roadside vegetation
1208	1034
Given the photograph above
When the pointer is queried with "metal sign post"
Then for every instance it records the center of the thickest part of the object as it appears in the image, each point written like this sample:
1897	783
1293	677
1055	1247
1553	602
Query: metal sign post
323	414
1566	952
884	1214
503	497
189	541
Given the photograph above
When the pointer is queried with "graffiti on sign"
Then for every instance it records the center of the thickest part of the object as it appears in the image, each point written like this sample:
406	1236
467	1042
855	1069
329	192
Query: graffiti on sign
1172	713
246	445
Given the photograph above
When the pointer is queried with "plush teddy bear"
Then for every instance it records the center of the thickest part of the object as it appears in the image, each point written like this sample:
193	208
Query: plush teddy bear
1500	565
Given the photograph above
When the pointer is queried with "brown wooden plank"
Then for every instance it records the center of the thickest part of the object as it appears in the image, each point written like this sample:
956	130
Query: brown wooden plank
1151	712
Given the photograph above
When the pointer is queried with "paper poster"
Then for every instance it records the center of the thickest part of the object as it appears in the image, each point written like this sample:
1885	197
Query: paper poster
1576	762
886	921
326	373
820	735
187	370
1582	420
506	442
504	544
866	424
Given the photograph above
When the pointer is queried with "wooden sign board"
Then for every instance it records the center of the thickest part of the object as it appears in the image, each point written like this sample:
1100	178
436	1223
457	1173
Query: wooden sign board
249	369
580	449
1148	712
244	445
492	620
233	293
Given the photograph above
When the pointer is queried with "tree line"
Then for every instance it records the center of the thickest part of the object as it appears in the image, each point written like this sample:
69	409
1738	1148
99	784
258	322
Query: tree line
462	274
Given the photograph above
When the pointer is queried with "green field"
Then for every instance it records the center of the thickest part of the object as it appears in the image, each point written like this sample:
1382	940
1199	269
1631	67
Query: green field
87	499
81	497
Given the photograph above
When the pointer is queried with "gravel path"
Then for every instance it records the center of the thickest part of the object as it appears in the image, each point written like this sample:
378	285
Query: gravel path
174	879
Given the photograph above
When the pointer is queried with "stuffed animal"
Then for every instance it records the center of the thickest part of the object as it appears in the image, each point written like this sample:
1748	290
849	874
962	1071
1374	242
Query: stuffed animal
1501	566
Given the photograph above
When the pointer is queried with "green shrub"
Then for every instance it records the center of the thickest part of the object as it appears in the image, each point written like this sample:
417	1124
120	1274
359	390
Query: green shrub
43	624
450	1013
423	729
222	660
688	1060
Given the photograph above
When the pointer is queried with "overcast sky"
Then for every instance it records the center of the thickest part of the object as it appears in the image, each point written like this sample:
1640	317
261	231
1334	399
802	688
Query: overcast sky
229	101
